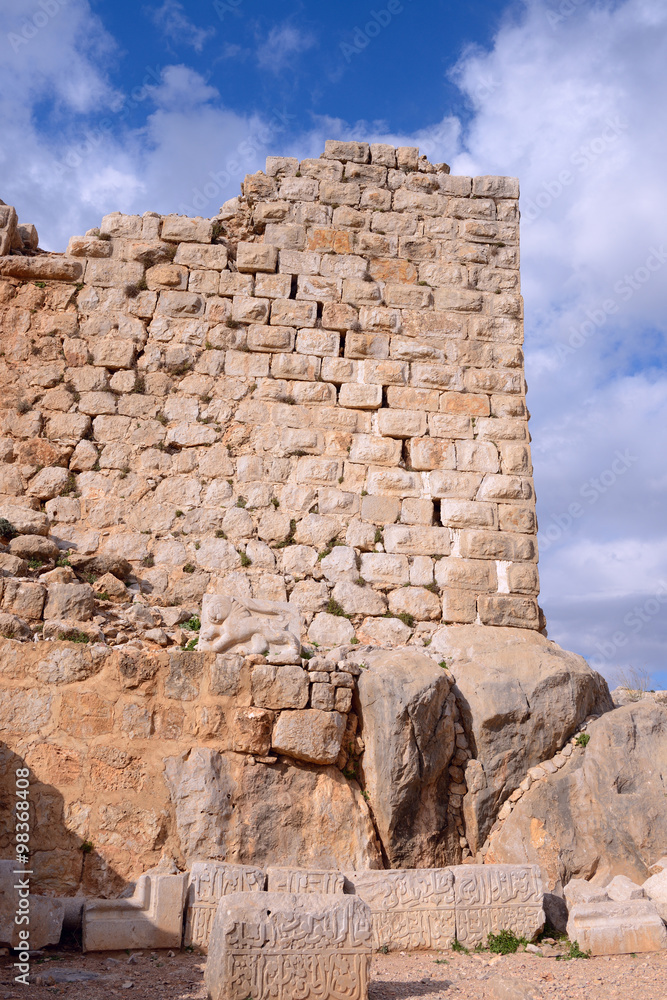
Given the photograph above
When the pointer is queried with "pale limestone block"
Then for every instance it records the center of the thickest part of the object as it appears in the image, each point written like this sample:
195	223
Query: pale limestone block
656	889
340	564
357	152
515	459
367	345
25	600
321	343
322	942
273	286
309	735
322	696
421	571
118	225
417	540
316	530
25	520
151	918
69	600
310	596
380	318
167	276
402	423
88	246
427	453
289	312
338	370
279	687
304	880
299	262
389	632
508	610
212	257
46	914
281	166
468	514
208	882
455	485
394	482
411	910
358	600
330	630
246	364
361	397
370	449
48	483
491	898
317	288
360	535
429	375
458	606
476	456
383	154
384	569
299	189
181	229
480	544
608	928
380	509
251	257
321	169
107	273
113	353
407	296
180	305
296	366
419	602
621	888
407	398
247	309
523	578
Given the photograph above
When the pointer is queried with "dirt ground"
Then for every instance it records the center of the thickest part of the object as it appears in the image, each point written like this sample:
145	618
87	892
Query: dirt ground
163	975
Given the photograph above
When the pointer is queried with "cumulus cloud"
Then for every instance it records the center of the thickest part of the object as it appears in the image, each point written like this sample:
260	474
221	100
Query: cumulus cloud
172	20
281	45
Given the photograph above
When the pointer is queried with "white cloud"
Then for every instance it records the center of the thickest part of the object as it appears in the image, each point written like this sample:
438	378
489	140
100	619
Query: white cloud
281	45
177	27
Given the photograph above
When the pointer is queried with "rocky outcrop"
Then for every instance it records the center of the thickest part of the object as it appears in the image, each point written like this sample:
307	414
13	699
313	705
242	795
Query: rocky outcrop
408	716
520	697
605	812
286	813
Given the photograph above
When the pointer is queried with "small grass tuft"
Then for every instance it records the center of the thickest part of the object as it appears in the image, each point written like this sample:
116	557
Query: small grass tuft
582	740
192	624
505	942
334	608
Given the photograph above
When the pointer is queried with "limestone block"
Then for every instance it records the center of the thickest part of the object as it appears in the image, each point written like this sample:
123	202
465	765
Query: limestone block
33	547
369	449
491	898
208	882
416	540
151	918
503	609
309	735
12	565
288	946
251	257
322	696
395	482
46	914
181	229
656	889
357	152
113	353
330	630
25	600
631	927
410	910
340	564
212	257
418	602
43	268
402	423
367	345
622	888
69	600
385	569
279	687
358	600
304	880
271	339
459	606
25	520
359	396
321	343
388	632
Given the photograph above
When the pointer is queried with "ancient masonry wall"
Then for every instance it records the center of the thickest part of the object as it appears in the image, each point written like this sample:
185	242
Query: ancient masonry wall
317	396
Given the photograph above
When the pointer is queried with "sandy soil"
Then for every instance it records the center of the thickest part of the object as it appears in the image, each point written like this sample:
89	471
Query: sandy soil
433	975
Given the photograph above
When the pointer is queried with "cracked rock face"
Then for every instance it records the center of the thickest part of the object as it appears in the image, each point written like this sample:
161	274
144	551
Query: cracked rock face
605	812
407	715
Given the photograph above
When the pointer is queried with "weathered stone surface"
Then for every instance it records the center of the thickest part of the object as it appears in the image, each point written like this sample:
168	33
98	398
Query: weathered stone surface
227	810
578	890
411	910
407	718
632	927
25	520
330	630
491	898
70	600
521	697
46	914
309	735
304	880
289	946
622	888
655	888
151	918
208	882
33	547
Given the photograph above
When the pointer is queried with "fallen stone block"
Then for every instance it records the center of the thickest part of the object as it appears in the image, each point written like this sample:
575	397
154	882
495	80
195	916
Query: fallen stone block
656	889
411	910
46	914
44	268
492	898
289	947
622	888
617	928
578	890
304	880
208	882
151	918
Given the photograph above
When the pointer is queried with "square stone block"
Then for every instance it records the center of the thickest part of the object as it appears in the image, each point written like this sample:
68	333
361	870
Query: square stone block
611	928
411	910
151	918
284	946
491	898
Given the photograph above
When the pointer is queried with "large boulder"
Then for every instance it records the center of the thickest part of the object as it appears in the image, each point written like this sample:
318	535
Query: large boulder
604	813
269	814
520	697
407	714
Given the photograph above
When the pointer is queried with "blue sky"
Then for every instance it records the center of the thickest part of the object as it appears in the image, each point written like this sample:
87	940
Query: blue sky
165	106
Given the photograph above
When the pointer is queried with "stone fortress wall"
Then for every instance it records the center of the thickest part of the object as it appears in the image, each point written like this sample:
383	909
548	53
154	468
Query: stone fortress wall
317	396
